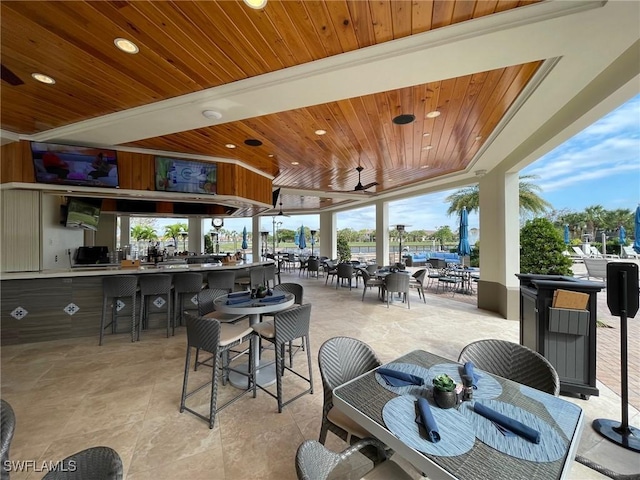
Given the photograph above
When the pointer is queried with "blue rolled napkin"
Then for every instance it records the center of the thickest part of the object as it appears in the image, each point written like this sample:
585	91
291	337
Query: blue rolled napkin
273	299
425	418
514	426
239	294
233	301
399	379
468	370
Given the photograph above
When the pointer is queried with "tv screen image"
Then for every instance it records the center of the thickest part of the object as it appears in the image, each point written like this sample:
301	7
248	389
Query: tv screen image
73	165
81	214
174	175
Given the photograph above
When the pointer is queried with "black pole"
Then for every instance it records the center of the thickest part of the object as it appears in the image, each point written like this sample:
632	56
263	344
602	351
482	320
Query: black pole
623	429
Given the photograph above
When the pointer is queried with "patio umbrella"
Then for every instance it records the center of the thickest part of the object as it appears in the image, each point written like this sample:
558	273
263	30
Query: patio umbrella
622	238
566	235
302	242
636	242
244	239
464	249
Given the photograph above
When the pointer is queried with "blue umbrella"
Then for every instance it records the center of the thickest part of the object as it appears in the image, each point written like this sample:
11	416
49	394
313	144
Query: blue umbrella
566	235
244	245
636	242
622	236
464	249
302	241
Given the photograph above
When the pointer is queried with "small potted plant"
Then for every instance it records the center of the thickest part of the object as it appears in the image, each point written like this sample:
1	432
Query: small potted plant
261	291
444	391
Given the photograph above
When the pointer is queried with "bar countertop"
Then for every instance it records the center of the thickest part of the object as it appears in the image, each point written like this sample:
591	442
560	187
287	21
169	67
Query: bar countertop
93	271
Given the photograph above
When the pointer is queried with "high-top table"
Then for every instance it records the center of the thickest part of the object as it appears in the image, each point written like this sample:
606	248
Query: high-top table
471	447
265	375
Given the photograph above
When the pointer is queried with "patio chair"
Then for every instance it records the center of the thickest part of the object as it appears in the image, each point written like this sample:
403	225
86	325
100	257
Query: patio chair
7	429
596	268
417	281
629	252
513	361
433	274
342	359
315	462
597	254
345	271
331	268
397	283
578	252
101	463
370	281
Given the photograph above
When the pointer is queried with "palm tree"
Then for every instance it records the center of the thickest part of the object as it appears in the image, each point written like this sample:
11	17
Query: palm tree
143	232
530	201
593	215
175	230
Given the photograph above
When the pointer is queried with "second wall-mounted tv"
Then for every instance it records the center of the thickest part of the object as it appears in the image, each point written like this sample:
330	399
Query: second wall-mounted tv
83	213
186	176
73	165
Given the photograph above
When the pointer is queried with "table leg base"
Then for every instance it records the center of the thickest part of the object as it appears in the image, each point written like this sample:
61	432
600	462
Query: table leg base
265	376
610	429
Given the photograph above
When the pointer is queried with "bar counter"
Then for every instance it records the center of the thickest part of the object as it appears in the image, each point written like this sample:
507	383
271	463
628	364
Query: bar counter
64	303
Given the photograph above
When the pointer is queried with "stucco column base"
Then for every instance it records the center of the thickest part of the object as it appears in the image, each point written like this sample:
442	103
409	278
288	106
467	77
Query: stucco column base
495	297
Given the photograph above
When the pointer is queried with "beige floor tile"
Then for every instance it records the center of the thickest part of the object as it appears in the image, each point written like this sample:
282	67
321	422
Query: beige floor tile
71	394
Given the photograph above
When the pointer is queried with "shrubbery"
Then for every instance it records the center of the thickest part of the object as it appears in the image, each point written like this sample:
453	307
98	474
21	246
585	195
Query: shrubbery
541	247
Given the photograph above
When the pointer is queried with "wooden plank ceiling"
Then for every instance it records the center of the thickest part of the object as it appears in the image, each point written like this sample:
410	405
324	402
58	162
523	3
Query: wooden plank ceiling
188	46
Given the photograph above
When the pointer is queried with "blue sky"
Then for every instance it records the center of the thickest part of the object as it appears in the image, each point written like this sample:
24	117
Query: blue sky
600	165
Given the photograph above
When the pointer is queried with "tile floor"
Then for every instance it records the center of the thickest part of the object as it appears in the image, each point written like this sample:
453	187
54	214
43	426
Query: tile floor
68	395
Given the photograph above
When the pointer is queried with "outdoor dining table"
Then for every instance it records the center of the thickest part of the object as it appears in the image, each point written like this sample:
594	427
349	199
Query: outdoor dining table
467	274
253	307
471	447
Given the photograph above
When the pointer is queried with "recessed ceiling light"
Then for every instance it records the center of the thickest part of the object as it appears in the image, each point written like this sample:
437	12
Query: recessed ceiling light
271	155
426	134
230	145
330	185
479	137
127	46
211	114
41	77
320	132
295	163
252	142
424	166
428	147
404	119
256	4
433	114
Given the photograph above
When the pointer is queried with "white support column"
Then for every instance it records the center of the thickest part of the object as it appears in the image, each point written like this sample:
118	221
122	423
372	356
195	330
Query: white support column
196	240
255	238
328	235
382	232
498	289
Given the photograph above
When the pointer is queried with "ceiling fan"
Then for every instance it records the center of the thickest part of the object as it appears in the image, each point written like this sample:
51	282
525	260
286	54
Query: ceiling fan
359	187
280	214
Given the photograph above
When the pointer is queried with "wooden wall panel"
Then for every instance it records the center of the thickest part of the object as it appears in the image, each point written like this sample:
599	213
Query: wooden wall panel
136	171
15	163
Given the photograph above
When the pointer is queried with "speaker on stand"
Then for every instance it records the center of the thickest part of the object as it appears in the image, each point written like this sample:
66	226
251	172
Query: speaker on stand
622	300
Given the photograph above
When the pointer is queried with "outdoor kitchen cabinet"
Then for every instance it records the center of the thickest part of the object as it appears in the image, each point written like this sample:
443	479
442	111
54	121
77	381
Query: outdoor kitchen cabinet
567	339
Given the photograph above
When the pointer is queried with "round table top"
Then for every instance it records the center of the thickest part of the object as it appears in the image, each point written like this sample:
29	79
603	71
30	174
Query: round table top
254	306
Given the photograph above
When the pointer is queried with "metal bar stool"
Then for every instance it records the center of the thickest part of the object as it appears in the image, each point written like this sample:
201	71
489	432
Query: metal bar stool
215	338
184	284
115	290
158	284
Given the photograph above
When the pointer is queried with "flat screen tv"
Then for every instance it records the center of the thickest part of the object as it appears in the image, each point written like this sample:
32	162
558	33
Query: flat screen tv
186	176
73	165
82	214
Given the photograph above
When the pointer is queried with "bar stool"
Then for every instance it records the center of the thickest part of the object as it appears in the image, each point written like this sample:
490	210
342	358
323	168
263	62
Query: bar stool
270	275
222	279
184	284
114	290
287	326
212	337
158	284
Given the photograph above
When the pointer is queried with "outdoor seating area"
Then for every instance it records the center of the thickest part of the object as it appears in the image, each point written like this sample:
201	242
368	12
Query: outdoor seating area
56	401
